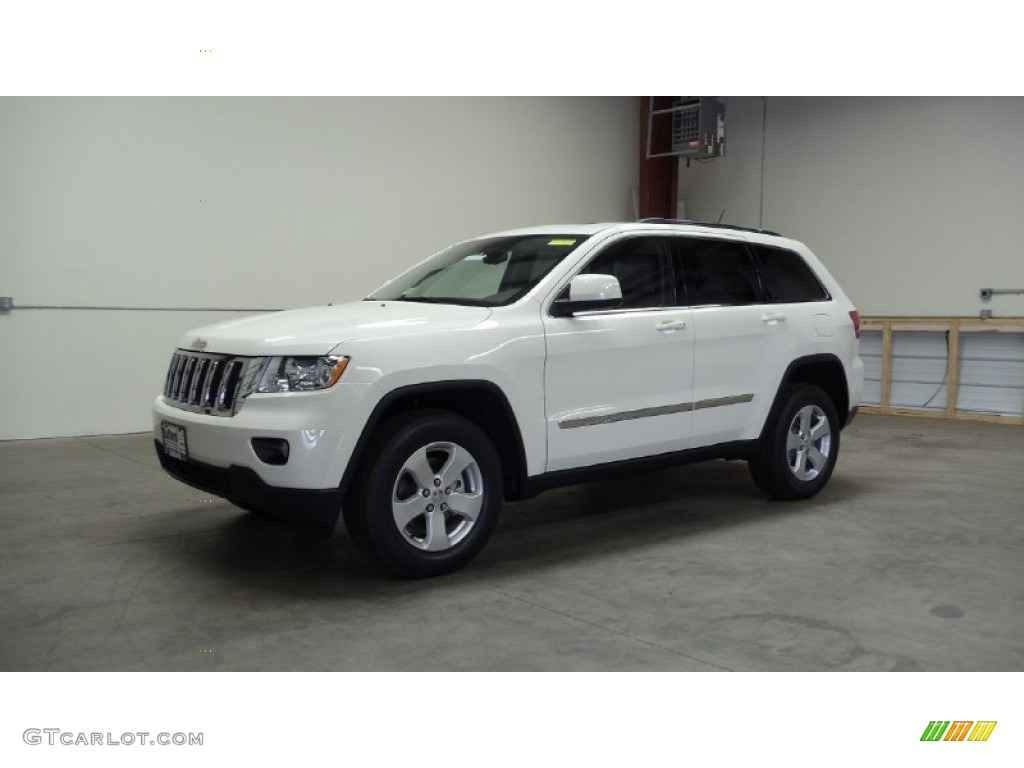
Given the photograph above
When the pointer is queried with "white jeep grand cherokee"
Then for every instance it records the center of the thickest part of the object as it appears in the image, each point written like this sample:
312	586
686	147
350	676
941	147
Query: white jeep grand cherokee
512	363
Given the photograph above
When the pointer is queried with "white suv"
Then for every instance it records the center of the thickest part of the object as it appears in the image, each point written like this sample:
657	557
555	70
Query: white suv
512	363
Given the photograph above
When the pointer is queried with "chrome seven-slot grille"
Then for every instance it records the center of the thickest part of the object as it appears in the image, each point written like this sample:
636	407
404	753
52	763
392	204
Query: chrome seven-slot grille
212	384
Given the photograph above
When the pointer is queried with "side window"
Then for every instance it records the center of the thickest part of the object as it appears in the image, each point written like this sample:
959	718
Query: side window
642	266
718	272
787	278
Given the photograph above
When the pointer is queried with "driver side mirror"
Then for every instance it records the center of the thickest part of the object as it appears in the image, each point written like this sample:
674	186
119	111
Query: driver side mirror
587	293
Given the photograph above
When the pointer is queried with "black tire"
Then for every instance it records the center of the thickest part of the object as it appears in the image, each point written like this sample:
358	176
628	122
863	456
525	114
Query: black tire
778	467
463	509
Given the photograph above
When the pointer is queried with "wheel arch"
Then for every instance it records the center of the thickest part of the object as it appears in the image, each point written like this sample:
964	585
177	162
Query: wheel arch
823	370
481	401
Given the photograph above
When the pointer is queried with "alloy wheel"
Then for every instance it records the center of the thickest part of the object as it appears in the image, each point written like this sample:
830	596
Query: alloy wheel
437	496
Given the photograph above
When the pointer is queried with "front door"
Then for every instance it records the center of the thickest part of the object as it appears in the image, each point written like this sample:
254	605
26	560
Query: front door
618	382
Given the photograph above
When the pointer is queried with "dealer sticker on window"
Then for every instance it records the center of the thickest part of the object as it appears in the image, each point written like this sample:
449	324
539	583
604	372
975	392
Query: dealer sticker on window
175	444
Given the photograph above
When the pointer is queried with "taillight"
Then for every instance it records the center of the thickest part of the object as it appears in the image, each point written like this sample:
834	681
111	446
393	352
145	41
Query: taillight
855	316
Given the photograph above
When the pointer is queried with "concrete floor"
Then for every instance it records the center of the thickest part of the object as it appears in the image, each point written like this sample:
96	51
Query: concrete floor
911	559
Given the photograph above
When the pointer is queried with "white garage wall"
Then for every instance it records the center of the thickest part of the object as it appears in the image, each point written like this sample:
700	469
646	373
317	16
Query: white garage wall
913	203
310	200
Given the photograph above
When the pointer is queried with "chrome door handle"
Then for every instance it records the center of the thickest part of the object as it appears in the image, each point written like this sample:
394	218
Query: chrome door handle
671	325
773	317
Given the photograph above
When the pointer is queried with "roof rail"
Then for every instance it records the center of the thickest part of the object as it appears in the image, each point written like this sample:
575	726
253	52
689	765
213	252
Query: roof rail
713	225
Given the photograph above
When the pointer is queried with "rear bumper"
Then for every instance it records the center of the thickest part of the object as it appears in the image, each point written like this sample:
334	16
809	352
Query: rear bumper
242	486
851	414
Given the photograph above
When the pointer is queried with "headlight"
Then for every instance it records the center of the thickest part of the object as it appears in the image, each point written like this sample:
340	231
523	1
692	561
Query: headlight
301	374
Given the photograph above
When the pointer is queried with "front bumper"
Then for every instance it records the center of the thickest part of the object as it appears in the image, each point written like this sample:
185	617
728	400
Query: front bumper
242	486
321	429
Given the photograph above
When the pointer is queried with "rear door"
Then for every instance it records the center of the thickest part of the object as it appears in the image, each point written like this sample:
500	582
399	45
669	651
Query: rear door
736	338
618	382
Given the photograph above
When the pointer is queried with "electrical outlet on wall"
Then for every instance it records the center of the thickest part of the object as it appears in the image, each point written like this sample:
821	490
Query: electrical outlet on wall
6	303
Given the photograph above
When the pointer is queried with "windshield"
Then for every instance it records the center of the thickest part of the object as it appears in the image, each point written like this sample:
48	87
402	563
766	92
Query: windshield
487	272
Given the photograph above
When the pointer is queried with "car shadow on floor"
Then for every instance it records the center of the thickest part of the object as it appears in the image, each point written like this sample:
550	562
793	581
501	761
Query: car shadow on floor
550	531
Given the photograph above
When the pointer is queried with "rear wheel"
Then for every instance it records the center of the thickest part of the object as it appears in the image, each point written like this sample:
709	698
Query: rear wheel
800	445
429	496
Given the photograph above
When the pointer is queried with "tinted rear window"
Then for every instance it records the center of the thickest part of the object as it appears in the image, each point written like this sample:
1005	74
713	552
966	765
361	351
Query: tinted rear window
718	272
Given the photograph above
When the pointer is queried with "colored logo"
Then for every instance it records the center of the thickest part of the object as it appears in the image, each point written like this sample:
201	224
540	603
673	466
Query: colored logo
958	730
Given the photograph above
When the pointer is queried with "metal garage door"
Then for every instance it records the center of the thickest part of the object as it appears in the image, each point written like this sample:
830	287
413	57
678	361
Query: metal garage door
990	370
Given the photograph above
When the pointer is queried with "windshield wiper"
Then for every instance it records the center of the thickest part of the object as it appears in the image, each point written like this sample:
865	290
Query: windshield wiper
446	300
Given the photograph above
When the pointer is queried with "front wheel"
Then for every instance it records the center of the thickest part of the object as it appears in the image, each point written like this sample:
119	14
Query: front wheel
799	447
430	495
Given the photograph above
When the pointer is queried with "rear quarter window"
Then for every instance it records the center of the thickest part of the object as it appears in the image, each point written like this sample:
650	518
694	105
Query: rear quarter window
787	277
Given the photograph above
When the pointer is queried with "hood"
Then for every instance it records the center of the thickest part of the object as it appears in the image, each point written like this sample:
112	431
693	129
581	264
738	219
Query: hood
317	330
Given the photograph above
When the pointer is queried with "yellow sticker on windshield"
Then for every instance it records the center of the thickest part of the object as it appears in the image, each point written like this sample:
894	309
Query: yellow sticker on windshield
562	242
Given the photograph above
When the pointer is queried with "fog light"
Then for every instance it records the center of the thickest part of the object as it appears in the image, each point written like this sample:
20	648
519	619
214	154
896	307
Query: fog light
271	450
